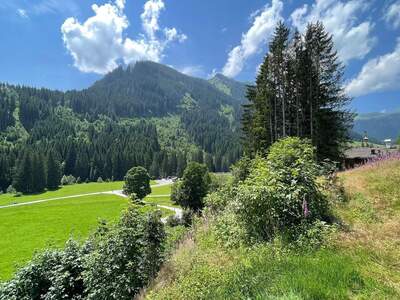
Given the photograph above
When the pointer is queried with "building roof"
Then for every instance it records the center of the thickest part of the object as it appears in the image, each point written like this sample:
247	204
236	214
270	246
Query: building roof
360	152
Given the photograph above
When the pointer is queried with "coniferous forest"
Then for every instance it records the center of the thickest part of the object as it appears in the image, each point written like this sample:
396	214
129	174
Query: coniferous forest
144	115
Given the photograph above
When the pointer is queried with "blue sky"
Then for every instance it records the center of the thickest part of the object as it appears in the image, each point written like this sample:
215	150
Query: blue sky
64	45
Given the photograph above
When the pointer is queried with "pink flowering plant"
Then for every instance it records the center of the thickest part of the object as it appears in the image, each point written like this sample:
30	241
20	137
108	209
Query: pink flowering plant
281	193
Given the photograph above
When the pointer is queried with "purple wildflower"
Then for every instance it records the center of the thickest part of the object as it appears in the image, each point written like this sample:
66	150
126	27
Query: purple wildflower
305	208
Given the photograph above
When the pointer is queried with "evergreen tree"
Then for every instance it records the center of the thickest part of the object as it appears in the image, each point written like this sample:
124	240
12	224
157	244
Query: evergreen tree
39	173
23	181
53	172
298	92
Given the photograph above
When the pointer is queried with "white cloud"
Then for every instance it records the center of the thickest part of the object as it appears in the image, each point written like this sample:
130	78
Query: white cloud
98	45
261	30
195	70
392	15
378	75
22	13
352	39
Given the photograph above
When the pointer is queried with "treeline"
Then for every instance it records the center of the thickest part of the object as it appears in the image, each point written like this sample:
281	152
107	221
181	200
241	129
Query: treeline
298	92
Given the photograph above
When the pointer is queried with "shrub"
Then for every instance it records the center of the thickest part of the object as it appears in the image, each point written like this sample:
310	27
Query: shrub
280	193
126	257
173	221
11	190
241	169
68	180
52	274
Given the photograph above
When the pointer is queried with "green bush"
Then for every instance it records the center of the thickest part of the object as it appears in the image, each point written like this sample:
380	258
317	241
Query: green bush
280	193
241	169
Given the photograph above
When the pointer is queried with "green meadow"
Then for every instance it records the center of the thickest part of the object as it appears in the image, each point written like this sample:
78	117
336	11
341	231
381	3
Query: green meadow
26	229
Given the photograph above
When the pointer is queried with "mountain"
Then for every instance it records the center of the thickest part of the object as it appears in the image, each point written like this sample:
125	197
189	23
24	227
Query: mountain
149	89
145	114
231	87
379	125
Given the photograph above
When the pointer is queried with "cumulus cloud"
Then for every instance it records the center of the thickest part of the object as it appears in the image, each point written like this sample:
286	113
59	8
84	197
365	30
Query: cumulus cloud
392	15
352	39
98	45
378	75
259	33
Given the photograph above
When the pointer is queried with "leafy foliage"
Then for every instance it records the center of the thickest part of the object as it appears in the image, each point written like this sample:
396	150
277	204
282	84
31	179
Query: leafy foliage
137	182
279	196
191	190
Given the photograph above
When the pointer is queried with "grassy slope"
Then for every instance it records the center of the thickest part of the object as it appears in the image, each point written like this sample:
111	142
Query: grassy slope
360	262
25	229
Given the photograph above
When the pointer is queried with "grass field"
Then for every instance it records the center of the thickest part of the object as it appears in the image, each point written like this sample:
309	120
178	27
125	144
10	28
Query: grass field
25	229
64	191
161	190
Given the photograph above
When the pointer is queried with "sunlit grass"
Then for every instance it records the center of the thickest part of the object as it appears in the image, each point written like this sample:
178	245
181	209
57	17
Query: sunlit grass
64	191
28	228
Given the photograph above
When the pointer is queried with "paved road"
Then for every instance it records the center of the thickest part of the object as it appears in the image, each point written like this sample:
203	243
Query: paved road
163	182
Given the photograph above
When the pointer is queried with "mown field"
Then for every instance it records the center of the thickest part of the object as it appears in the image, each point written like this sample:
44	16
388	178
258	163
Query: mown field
64	191
25	229
358	260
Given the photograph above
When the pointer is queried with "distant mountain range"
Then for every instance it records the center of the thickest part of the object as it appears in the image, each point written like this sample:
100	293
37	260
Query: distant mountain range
379	126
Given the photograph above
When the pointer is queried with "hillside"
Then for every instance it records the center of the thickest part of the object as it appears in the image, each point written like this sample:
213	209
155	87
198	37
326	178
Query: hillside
379	125
356	260
146	114
233	88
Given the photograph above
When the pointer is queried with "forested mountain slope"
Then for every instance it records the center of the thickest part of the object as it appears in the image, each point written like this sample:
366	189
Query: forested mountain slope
146	114
379	125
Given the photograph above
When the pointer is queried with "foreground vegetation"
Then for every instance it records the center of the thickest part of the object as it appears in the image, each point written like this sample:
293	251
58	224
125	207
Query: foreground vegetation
356	256
50	224
115	262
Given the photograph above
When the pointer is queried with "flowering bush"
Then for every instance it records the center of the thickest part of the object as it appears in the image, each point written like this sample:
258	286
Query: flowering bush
280	193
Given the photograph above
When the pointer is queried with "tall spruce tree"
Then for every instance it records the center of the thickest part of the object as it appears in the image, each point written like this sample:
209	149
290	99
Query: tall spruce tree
298	92
23	181
39	173
53	172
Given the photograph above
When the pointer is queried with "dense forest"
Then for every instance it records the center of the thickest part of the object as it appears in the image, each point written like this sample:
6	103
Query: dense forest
146	114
